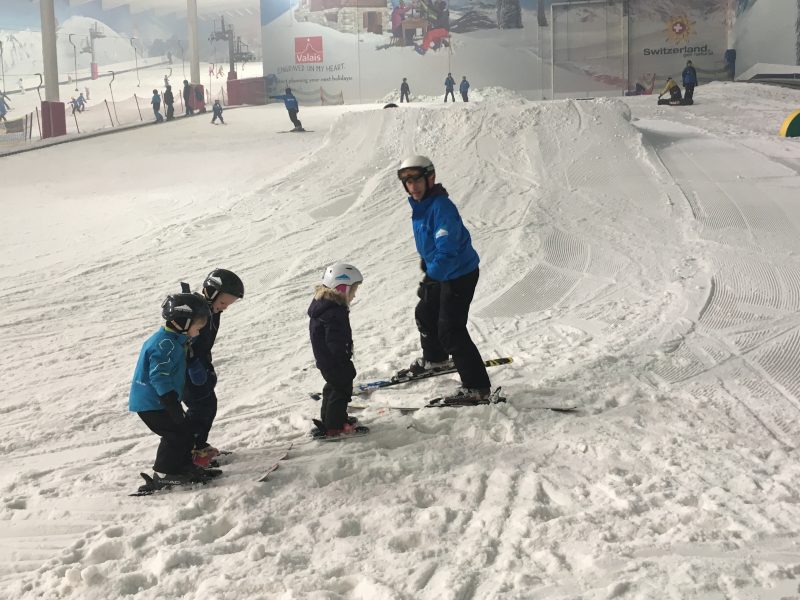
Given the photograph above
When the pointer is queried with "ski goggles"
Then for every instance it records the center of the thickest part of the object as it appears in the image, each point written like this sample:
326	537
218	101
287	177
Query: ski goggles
410	177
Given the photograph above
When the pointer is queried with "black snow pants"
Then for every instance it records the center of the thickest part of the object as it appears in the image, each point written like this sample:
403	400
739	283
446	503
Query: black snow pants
293	117
335	397
441	315
200	414
174	454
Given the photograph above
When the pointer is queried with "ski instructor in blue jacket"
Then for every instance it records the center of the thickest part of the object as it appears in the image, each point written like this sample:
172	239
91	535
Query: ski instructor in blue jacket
450	264
292	107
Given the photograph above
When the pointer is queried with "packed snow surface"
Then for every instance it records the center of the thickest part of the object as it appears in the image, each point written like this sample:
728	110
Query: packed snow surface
638	262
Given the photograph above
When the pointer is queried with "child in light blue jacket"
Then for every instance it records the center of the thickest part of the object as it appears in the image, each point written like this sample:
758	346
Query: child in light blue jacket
158	383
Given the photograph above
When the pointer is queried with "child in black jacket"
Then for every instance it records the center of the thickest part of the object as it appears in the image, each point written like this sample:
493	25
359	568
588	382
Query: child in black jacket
332	342
221	288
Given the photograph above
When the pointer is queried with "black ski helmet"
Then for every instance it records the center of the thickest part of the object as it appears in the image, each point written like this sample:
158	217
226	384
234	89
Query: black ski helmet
222	281
180	310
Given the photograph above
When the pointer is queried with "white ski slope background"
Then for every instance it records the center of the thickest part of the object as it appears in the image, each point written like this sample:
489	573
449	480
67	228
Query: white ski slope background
640	262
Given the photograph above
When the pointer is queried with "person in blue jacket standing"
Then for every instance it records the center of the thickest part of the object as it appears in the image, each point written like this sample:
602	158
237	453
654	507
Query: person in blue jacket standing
450	264
464	89
689	77
158	385
292	107
156	102
449	85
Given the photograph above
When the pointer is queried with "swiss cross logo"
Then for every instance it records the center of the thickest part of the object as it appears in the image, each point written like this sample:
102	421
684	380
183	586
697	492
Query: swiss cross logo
678	28
308	49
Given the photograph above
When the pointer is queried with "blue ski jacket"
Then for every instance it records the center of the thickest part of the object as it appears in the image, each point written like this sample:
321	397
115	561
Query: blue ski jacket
449	83
289	101
442	240
161	368
464	86
689	76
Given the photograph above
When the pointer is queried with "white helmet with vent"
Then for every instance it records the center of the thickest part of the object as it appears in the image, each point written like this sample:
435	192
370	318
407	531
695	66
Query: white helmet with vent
341	277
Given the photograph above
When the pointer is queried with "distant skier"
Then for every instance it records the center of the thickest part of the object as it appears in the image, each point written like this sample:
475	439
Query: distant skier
689	77
450	266
404	91
21	85
292	107
449	84
169	102
674	93
81	100
3	108
217	113
156	102
332	343
158	385
73	104
221	288
464	89
187	97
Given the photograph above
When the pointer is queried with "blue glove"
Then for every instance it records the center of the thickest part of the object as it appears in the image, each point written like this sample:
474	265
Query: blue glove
198	374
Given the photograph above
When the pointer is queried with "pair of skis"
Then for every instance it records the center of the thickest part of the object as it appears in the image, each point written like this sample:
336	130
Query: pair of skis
364	389
155	483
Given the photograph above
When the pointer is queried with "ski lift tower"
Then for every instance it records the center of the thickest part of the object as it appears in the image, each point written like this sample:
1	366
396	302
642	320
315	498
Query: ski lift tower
225	34
94	33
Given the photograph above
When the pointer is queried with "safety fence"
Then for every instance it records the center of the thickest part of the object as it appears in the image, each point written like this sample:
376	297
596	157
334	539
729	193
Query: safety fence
89	118
19	130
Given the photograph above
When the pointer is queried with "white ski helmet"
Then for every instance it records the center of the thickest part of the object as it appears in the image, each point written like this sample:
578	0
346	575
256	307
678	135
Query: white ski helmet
341	277
417	161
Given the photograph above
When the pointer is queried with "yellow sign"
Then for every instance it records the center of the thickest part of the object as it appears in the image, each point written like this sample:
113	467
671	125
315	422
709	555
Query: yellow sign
679	29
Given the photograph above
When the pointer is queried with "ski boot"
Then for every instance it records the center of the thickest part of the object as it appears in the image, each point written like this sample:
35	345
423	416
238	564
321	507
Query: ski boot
422	366
348	430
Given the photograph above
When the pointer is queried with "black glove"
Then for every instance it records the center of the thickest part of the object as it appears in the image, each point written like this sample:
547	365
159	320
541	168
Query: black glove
173	406
422	265
426	285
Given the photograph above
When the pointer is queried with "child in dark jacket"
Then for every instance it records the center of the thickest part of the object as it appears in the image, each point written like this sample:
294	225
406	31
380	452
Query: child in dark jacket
332	342
221	288
158	385
217	113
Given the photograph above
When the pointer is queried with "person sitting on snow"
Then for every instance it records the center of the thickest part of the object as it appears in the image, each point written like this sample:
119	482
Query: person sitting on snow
674	90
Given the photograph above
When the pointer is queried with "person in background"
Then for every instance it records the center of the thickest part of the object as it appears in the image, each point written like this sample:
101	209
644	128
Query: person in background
292	107
156	102
464	89
187	97
3	108
404	91
217	108
169	101
449	84
674	93
689	77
